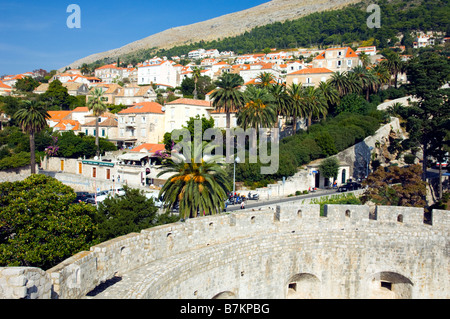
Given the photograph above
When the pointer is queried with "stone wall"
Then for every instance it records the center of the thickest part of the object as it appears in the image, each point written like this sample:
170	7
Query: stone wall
289	252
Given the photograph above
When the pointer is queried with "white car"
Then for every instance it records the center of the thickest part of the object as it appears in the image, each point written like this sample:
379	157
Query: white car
156	200
117	191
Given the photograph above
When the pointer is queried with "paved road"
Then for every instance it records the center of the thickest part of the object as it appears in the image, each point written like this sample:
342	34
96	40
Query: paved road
259	203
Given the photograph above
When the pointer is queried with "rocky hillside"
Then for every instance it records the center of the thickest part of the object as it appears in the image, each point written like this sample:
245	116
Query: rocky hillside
228	25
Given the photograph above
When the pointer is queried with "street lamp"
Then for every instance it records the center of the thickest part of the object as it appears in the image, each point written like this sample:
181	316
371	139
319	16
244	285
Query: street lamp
236	160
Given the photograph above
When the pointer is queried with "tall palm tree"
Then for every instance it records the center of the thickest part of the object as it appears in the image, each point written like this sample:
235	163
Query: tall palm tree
314	103
196	73
340	82
368	79
98	107
296	109
227	96
382	73
265	79
281	100
258	111
32	118
197	188
330	94
365	59
394	64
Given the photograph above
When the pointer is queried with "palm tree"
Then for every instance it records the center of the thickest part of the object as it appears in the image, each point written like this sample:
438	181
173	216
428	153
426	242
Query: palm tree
314	103
265	79
368	80
295	104
340	82
394	64
330	94
281	100
227	96
365	59
196	73
32	118
197	188
98	107
258	111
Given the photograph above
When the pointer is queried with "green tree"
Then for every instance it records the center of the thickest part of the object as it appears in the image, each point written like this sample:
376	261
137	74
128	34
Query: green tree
40	226
295	108
398	186
329	168
428	120
196	73
56	97
198	188
32	119
227	97
394	64
314	103
281	100
97	107
121	215
26	84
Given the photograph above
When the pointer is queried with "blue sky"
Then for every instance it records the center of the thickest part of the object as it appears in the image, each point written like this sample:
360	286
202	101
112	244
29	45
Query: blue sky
34	34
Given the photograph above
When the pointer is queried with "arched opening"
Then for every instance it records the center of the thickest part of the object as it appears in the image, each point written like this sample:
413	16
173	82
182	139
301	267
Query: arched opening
225	295
303	286
390	285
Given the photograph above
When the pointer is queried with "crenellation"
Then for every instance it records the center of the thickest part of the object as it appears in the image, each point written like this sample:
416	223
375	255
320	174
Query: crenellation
253	251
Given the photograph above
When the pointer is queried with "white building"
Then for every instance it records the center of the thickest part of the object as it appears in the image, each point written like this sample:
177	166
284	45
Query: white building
158	71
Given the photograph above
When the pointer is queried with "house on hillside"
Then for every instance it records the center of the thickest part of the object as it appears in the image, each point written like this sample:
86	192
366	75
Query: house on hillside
157	71
178	112
308	76
133	93
141	123
337	59
4	89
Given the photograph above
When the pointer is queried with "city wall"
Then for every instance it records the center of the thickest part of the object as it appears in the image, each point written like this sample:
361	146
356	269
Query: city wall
288	252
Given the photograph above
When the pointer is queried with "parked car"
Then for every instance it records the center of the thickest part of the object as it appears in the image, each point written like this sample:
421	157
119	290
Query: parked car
350	186
90	199
81	196
117	191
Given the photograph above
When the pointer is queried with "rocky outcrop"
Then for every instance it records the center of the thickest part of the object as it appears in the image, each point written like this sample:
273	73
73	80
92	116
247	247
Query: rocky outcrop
225	26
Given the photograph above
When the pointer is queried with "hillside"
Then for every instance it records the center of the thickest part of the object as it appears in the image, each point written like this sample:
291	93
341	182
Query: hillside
225	26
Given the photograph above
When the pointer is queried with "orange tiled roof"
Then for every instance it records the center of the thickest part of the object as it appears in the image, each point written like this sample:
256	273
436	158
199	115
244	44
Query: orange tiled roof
58	115
62	125
81	109
150	148
190	102
312	71
3	85
143	107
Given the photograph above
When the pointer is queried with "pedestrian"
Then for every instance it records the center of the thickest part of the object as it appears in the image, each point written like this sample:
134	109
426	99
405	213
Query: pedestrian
242	205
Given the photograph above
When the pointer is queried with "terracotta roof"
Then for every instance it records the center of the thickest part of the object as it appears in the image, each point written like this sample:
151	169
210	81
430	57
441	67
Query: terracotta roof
62	125
81	109
312	71
108	122
150	148
190	102
143	107
3	85
58	115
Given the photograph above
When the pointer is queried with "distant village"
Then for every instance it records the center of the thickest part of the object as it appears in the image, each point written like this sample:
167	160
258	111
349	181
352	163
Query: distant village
141	125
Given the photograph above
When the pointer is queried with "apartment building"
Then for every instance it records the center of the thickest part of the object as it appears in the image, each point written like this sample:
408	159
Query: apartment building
158	71
337	59
308	76
179	111
141	123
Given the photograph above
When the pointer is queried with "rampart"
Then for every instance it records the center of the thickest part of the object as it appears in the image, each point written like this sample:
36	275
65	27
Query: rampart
285	252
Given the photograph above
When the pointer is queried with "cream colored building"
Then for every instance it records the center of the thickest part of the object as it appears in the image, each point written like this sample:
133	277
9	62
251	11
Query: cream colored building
179	111
141	123
337	59
308	77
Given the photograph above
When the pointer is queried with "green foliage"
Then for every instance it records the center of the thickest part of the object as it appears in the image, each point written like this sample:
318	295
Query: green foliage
56	97
342	199
204	85
329	168
75	146
40	226
353	103
121	215
27	84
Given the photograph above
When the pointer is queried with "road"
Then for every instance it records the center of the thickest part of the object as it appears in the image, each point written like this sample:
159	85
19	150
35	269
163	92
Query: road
259	203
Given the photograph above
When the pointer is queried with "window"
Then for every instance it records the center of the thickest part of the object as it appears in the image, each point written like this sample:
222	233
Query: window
103	132
143	132
144	119
80	168
108	173
308	80
122	132
86	131
339	63
349	62
94	172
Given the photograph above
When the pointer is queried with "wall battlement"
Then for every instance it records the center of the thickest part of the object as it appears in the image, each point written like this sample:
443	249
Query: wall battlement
221	244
